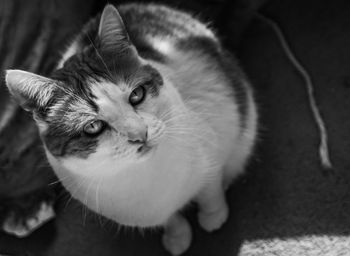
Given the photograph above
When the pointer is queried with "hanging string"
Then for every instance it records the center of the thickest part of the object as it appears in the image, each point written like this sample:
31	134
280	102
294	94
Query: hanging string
323	147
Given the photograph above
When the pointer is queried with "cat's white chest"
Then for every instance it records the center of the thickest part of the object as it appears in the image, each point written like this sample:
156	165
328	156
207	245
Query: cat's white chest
144	194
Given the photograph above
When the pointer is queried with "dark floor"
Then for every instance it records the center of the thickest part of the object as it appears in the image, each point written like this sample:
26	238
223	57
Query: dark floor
285	204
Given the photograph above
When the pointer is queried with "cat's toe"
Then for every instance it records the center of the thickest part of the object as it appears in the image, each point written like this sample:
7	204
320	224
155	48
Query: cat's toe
177	243
23	227
211	221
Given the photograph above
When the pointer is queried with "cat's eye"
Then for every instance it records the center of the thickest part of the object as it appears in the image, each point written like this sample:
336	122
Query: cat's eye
137	95
94	128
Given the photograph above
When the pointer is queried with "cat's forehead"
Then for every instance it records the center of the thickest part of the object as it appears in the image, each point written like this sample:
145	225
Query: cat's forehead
88	98
106	93
104	89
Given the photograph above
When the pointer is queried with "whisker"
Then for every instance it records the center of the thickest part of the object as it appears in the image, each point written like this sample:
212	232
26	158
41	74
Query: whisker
201	138
180	140
97	201
166	114
190	130
54	183
74	192
86	202
58	181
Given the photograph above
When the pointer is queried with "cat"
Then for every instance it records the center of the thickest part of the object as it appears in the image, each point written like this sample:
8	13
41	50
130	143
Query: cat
145	113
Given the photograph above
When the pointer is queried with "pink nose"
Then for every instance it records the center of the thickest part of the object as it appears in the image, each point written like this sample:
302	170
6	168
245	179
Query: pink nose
137	136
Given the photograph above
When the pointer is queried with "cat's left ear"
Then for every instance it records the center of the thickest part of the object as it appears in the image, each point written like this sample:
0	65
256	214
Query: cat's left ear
112	32
31	91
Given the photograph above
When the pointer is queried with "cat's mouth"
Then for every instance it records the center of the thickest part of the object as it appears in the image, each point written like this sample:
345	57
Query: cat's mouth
145	149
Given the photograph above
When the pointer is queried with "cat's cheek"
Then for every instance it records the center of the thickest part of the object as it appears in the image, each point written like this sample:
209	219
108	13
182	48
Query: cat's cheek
162	107
150	106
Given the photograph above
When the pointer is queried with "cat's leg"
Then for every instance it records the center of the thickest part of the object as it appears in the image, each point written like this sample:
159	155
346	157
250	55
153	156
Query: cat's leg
213	209
177	235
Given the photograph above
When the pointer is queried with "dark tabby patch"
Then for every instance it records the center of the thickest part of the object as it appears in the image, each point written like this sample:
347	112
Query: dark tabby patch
235	74
75	145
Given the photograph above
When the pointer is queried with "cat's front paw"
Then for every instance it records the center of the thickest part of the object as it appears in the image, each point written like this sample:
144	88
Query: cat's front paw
213	220
177	244
177	236
21	226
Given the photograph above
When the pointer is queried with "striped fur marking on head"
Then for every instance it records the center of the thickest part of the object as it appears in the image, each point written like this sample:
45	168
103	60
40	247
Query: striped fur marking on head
65	119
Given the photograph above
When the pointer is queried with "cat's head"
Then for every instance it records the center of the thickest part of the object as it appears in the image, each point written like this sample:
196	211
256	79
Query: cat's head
106	104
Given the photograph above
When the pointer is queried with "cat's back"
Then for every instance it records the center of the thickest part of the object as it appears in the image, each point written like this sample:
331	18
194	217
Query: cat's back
157	31
155	20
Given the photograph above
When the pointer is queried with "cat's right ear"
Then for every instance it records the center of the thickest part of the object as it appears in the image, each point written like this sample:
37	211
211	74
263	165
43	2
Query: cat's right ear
31	91
112	31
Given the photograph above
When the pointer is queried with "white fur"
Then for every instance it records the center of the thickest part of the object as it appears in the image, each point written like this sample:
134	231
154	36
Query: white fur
141	194
162	45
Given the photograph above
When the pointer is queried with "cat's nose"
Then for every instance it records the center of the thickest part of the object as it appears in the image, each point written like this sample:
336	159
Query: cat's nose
137	136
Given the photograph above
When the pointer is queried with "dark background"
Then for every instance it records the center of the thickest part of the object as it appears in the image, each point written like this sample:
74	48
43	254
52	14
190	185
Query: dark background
286	204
